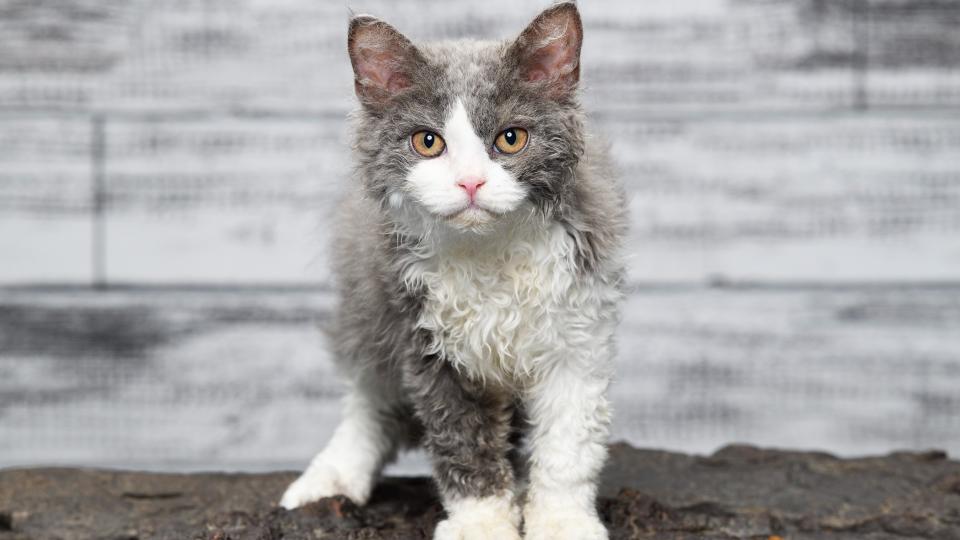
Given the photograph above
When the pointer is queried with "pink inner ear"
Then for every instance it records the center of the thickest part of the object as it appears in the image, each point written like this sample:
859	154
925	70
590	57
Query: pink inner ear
536	74
381	69
397	82
553	60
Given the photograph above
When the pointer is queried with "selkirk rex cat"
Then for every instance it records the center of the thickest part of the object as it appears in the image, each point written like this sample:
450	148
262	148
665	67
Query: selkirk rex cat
479	281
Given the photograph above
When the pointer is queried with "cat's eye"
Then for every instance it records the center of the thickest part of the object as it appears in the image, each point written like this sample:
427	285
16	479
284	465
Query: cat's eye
511	140
427	143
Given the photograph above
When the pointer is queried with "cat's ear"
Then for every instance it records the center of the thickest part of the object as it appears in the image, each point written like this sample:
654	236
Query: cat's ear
384	61
547	53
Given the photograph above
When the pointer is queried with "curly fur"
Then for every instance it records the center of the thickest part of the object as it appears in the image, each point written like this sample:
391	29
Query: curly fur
487	340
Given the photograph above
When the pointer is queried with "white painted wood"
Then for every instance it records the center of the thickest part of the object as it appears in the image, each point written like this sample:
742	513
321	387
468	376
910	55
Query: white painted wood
291	55
844	197
222	202
780	141
840	197
173	379
45	201
731	120
913	53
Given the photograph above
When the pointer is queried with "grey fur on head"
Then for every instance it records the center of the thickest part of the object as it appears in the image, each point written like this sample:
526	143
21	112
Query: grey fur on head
491	78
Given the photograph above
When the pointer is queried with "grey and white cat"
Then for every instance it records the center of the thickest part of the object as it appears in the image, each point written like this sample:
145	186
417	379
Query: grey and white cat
479	281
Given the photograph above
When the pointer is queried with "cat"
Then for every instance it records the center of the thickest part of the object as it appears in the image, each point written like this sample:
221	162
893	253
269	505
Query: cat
479	278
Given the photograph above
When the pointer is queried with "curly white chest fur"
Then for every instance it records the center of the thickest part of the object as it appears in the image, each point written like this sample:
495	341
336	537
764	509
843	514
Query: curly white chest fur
506	314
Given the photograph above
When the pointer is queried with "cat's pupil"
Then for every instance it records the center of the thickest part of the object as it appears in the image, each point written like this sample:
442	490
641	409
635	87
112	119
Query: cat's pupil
428	140
510	137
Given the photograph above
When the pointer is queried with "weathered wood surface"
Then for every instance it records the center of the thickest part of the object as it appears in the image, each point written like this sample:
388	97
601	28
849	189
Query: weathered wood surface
176	53
840	197
45	192
775	141
757	138
683	55
173	379
738	493
912	52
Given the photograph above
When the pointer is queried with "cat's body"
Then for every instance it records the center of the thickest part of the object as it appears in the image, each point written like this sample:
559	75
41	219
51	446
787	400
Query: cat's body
478	285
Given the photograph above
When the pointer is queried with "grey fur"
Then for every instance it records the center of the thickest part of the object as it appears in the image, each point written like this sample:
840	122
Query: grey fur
468	429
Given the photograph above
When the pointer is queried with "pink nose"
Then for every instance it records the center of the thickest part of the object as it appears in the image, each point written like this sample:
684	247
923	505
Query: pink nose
471	184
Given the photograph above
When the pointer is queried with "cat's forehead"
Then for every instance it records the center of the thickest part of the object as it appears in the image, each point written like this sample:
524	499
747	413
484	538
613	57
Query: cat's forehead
465	61
469	72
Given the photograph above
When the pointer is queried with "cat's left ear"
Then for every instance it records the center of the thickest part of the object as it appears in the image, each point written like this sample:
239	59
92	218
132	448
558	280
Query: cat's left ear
547	53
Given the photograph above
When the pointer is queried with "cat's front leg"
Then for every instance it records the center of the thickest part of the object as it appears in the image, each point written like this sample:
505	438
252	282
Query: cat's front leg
569	417
365	439
466	434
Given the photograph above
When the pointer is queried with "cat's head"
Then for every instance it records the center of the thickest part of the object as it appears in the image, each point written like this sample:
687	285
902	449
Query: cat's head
462	135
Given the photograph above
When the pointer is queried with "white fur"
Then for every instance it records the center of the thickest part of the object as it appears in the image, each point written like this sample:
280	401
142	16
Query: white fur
507	307
570	417
489	518
504	304
351	460
511	309
433	182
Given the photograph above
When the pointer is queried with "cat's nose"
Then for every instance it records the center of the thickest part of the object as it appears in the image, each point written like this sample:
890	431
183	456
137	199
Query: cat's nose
471	184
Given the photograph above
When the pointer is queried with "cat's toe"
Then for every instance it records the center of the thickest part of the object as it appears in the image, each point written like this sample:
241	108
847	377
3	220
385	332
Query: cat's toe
563	526
321	480
475	529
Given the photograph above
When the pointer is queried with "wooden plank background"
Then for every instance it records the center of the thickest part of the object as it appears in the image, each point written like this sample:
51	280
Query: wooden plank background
194	379
778	140
167	148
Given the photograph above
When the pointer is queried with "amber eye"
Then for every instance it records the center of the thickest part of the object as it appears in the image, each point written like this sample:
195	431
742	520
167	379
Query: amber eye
427	143
511	140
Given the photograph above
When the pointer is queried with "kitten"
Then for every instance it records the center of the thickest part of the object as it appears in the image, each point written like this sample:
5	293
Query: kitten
479	281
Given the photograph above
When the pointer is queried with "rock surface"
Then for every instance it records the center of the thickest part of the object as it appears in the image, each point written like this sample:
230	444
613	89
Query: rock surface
740	492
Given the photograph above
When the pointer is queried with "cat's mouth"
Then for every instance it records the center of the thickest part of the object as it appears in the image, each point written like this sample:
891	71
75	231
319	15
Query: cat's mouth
471	217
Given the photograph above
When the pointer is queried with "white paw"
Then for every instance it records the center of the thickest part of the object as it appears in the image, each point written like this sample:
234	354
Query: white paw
323	480
464	528
488	518
563	525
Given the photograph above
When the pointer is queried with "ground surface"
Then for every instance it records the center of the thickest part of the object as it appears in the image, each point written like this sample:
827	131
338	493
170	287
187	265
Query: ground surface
740	492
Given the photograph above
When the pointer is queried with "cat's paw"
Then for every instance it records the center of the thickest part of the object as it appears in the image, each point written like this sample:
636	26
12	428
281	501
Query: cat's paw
489	518
553	524
323	480
463	528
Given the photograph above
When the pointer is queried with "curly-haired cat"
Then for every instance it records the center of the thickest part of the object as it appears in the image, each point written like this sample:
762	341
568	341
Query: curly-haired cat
479	281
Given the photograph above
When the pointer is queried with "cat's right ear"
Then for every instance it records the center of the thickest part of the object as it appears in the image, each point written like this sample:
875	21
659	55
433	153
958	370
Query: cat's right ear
384	61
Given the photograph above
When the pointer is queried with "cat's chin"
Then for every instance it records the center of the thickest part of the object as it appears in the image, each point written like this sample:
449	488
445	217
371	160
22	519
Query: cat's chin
472	219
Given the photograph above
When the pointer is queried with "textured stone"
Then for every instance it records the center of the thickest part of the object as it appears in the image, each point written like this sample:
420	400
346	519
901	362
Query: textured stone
739	492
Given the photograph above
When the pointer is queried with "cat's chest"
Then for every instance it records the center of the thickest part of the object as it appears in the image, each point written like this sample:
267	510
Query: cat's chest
501	315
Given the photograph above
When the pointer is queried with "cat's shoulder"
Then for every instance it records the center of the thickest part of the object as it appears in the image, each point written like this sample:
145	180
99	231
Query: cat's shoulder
597	216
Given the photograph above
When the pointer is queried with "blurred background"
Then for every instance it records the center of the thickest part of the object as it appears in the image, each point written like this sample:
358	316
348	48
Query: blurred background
167	170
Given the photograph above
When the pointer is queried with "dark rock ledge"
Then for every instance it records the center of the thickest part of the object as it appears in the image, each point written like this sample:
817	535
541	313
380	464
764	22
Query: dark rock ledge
740	492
